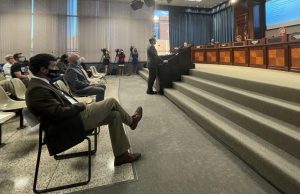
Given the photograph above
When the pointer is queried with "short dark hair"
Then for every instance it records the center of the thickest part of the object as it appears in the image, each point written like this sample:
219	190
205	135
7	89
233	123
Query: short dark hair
16	56
151	39
64	58
40	60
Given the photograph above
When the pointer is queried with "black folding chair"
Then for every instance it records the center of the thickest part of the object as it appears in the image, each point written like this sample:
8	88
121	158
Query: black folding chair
88	153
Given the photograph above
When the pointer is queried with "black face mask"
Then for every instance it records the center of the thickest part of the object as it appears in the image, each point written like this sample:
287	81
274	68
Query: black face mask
53	73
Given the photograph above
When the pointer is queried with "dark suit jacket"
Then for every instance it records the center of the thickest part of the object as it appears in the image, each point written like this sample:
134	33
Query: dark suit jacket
76	78
61	119
153	59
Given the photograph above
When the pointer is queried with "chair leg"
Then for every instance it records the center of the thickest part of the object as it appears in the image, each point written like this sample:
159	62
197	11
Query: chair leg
1	144
63	186
21	120
95	142
79	154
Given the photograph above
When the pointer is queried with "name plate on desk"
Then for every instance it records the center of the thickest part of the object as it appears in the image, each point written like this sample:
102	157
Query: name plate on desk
275	40
200	46
294	37
224	45
238	44
254	42
210	46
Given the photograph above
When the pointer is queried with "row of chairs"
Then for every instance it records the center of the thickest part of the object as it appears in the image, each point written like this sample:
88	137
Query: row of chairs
94	132
8	104
10	107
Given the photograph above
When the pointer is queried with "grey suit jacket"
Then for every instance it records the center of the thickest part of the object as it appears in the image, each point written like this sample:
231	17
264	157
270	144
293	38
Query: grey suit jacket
76	78
153	59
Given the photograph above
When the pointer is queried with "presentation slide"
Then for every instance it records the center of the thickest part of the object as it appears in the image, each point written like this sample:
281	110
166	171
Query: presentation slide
281	13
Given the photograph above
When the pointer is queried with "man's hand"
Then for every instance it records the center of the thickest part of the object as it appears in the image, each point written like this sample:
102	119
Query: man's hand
82	104
93	82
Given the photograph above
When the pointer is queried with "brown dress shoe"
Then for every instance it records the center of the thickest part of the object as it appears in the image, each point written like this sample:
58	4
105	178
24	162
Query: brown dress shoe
136	117
126	158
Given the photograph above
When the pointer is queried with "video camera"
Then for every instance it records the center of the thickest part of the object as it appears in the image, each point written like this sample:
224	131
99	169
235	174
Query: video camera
131	49
104	50
118	51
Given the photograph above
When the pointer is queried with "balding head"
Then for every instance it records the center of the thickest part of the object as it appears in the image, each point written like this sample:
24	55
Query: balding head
73	57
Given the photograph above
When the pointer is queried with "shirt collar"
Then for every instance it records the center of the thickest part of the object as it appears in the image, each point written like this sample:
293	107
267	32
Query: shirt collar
43	79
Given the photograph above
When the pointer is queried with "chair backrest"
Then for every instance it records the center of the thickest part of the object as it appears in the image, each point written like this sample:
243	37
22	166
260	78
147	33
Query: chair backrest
2	77
69	88
19	88
85	73
4	99
94	71
29	75
61	85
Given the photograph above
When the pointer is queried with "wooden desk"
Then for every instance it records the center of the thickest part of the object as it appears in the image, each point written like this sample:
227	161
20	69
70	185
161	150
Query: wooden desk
225	54
198	54
281	53
257	53
294	52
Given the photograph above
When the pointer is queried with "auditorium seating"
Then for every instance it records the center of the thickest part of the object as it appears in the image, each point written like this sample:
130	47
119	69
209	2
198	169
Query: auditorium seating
4	116
7	104
88	153
19	88
62	86
257	121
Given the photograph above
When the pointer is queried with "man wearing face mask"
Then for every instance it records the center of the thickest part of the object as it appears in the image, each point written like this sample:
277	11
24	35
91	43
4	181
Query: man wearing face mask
66	121
79	83
18	70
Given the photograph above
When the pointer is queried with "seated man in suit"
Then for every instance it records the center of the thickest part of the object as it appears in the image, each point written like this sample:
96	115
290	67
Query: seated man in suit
79	83
67	120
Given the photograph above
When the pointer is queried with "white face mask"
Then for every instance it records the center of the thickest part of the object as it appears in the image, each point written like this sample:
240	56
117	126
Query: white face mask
78	62
82	59
22	59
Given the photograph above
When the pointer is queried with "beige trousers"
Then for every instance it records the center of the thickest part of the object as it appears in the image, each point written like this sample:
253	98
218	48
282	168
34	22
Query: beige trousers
109	112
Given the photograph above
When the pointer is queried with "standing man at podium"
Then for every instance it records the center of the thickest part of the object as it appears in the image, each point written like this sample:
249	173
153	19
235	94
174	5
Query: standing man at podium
152	62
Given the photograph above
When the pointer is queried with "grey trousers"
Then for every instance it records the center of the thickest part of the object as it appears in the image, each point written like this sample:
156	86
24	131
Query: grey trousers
110	112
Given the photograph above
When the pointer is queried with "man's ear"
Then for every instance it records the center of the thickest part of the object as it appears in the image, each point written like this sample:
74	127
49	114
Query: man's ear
44	70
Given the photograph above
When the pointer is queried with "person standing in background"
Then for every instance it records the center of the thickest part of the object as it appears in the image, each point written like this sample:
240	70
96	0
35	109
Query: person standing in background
152	63
106	62
121	61
135	60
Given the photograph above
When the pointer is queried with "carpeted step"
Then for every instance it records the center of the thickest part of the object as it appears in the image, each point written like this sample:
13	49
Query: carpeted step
277	108
281	92
144	73
281	134
279	167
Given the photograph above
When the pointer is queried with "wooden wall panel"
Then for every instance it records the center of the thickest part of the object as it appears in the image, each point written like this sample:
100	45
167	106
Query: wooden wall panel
257	57
211	57
225	56
276	57
295	57
199	56
240	57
